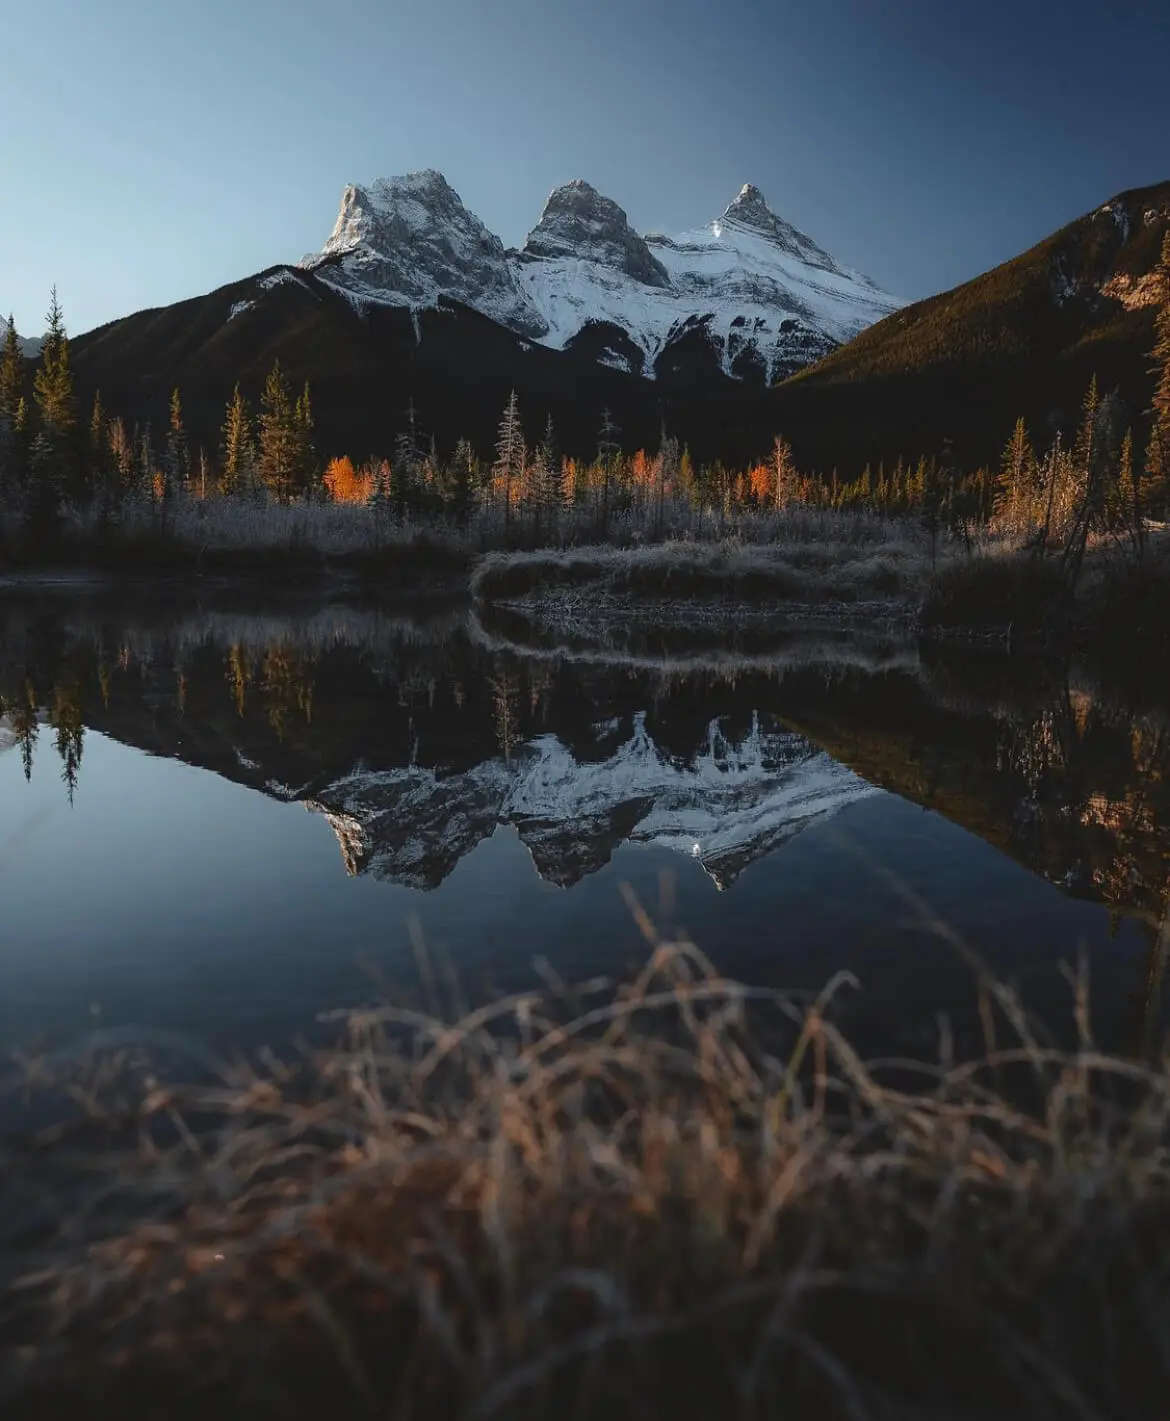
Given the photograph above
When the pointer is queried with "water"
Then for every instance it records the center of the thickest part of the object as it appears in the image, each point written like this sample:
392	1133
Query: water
223	819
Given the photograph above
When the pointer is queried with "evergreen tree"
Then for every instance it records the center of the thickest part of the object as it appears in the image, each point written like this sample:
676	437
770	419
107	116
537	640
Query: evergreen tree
238	450
1016	486
305	456
409	460
465	479
11	402
99	452
546	482
11	374
1095	465
279	443
1126	513
609	447
55	419
177	461
508	470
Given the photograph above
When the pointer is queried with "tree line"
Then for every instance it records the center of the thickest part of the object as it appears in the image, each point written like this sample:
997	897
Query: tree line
1099	482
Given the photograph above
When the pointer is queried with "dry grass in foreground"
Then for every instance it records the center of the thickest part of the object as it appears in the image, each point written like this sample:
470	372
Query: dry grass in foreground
681	1198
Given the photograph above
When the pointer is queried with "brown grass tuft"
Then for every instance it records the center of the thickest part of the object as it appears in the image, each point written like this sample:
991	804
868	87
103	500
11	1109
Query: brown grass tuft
680	1197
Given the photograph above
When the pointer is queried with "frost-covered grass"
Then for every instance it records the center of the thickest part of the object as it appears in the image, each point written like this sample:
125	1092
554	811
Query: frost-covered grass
253	525
680	1198
793	570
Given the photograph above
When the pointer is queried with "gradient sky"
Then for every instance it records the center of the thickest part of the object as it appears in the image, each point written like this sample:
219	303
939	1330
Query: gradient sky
152	149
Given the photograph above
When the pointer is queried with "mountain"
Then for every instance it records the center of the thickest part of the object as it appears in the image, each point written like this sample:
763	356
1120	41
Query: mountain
1024	338
726	805
414	301
750	294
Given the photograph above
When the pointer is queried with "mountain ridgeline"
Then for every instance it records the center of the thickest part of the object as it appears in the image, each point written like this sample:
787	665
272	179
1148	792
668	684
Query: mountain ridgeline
723	336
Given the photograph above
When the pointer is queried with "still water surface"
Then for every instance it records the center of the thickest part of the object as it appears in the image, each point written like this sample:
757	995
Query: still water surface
224	820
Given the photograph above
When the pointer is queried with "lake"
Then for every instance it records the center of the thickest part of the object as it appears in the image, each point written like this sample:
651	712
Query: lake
223	816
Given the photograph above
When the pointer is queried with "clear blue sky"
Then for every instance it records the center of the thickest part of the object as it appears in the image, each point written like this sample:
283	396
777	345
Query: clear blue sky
154	149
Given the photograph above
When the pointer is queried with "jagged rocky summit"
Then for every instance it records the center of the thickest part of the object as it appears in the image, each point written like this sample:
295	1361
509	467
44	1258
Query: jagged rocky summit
763	297
726	806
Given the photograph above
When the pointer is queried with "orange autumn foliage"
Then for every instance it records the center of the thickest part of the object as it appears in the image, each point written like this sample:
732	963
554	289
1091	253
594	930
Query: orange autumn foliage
760	482
347	484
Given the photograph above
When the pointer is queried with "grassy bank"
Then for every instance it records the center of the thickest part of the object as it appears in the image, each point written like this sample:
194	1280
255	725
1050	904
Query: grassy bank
243	537
809	559
678	1199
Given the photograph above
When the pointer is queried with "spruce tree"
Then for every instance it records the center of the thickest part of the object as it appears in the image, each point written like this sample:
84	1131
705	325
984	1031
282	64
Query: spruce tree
99	452
177	457
409	459
53	382
55	420
11	401
278	436
1016	485
11	374
511	455
303	428
238	452
465	479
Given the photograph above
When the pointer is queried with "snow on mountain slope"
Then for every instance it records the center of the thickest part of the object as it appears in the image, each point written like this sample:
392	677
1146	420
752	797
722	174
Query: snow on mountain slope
726	807
767	298
409	241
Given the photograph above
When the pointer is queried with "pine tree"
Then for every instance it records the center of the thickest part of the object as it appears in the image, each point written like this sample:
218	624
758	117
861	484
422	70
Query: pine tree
1016	486
238	450
546	482
55	415
11	403
1095	464
511	456
99	451
464	479
53	382
11	374
121	453
409	459
1127	513
305	456
177	461
278	436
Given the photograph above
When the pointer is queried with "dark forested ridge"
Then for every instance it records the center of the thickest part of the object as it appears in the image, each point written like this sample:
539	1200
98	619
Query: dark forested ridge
1023	339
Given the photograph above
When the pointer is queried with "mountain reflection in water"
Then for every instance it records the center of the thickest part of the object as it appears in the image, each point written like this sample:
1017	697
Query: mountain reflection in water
417	736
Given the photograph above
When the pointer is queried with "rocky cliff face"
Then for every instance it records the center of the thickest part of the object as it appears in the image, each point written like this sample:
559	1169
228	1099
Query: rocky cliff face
758	295
411	241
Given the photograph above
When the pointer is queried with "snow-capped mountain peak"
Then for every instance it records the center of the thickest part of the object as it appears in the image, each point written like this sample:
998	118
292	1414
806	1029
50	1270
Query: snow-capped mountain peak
763	298
726	805
579	223
749	210
410	241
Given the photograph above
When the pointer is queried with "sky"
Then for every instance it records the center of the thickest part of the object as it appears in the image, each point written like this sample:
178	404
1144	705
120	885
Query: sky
152	150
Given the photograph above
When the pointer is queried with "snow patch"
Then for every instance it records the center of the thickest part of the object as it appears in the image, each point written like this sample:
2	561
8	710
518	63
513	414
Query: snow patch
760	288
